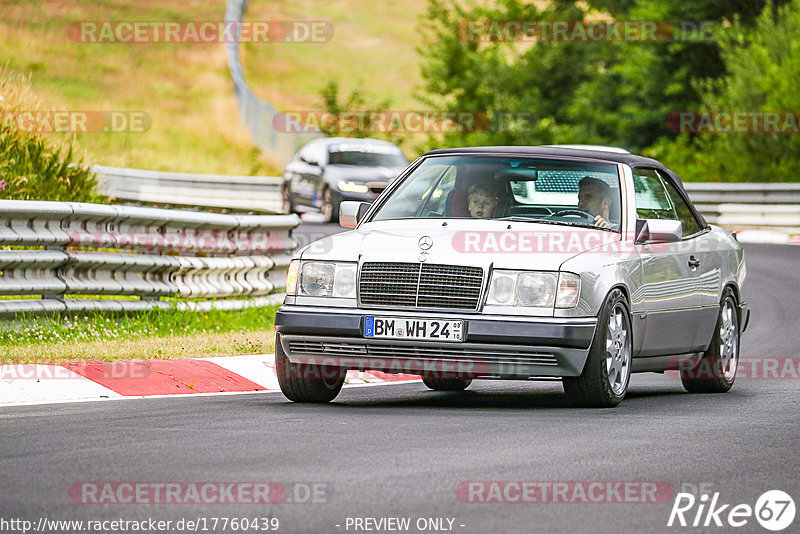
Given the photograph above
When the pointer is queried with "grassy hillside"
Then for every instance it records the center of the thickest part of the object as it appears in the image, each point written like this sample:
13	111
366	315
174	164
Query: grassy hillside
372	49
186	89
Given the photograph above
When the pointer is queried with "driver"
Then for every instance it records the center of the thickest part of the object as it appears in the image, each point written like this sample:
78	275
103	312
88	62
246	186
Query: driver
594	196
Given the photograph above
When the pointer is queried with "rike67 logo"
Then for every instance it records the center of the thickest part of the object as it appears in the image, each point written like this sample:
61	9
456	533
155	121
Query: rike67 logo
774	510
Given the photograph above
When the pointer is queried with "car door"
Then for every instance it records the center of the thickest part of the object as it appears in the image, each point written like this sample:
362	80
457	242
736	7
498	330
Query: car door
709	261
669	296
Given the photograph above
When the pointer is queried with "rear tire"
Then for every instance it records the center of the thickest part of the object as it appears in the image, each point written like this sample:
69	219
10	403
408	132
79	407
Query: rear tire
715	372
306	382
446	384
607	372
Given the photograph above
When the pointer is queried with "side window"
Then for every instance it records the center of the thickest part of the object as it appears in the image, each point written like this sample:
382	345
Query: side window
652	200
684	214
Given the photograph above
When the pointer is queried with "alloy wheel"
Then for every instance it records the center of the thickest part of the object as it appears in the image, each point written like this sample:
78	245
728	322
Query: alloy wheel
729	342
618	351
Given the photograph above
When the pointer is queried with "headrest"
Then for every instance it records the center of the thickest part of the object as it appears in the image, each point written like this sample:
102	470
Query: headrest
458	203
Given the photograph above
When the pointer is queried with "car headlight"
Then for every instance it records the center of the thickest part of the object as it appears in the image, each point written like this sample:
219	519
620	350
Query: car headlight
533	289
327	279
352	187
502	288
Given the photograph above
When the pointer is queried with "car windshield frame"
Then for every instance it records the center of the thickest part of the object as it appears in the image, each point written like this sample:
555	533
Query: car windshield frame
609	167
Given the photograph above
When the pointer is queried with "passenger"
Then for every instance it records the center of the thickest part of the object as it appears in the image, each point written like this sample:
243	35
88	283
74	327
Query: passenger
481	201
594	196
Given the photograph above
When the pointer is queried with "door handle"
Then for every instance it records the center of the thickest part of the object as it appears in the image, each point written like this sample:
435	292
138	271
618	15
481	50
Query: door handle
694	262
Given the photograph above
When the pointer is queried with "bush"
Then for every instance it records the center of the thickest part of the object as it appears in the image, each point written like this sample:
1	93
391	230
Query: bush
33	167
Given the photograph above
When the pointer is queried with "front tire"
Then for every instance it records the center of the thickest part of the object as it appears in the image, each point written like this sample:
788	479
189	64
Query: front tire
306	382
446	384
716	370
287	206
607	372
330	206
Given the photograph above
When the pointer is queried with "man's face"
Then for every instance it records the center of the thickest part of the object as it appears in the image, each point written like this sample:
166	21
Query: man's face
481	205
589	199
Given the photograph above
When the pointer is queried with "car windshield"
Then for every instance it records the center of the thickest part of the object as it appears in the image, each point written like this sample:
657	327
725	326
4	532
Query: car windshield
366	157
501	187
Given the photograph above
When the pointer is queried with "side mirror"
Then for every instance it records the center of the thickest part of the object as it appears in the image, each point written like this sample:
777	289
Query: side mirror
658	231
351	212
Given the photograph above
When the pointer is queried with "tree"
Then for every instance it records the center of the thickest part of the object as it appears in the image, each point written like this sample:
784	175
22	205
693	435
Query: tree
618	93
355	103
641	83
524	89
763	69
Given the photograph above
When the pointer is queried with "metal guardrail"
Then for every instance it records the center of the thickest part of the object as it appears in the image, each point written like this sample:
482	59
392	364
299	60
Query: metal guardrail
763	206
63	249
248	193
773	206
743	193
257	114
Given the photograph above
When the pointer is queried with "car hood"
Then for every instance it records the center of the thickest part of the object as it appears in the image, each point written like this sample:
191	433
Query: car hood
358	173
483	243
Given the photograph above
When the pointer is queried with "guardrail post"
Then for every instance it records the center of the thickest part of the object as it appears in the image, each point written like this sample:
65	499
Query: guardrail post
58	274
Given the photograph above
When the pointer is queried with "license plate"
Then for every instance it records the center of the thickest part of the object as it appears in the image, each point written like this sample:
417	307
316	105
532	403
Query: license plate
403	328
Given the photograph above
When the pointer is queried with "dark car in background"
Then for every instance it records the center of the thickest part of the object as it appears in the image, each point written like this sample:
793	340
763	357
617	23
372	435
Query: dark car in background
329	170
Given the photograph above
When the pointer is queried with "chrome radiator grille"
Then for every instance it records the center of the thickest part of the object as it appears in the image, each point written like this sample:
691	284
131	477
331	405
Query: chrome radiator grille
420	285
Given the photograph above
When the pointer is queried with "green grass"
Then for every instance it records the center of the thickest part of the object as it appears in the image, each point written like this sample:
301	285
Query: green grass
372	49
169	333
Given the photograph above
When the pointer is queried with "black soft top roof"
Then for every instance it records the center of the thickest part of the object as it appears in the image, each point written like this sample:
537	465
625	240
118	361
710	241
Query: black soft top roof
604	155
617	157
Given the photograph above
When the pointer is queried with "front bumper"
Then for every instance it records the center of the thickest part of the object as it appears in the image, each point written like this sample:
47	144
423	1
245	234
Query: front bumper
503	347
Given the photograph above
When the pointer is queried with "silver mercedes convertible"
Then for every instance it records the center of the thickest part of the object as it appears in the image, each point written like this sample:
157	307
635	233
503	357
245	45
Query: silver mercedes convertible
578	263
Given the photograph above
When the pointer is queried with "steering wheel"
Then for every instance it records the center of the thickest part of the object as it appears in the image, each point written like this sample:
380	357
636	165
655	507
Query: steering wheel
585	216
